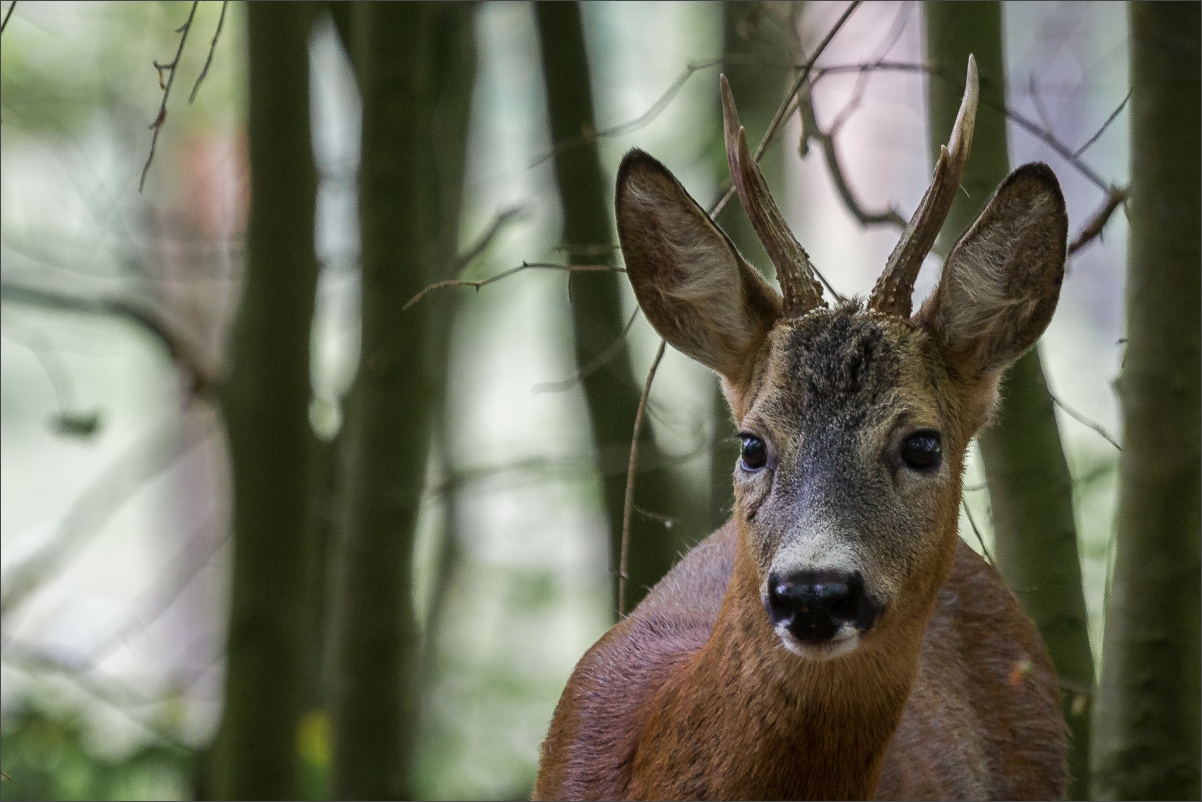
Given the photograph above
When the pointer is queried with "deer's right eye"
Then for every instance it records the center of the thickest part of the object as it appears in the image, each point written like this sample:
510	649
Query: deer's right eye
922	451
755	453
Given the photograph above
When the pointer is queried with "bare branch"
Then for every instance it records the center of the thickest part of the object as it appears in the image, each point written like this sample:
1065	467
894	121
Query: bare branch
1037	100
1054	142
1077	416
976	531
152	604
202	381
1115	197
826	141
644	119
208	61
1113	115
4	24
783	109
170	67
486	239
594	364
153	453
438	285
887	44
623	561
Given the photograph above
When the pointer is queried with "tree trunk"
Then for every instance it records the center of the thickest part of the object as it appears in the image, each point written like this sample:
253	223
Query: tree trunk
1030	487
265	400
411	60
1147	726
612	391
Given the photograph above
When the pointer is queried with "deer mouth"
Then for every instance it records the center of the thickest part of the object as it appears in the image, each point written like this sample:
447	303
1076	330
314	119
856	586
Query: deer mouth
844	642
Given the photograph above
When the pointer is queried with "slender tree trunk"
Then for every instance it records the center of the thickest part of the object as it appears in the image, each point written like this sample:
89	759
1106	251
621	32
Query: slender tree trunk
612	391
1147	720
265	399
1030	487
410	60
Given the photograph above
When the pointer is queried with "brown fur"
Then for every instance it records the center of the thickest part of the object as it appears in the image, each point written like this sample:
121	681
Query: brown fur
950	692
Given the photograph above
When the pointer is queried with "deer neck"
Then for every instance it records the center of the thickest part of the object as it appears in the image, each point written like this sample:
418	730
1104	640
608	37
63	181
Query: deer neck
802	729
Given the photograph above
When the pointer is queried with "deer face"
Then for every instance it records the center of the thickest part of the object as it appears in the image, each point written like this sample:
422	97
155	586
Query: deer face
854	420
848	484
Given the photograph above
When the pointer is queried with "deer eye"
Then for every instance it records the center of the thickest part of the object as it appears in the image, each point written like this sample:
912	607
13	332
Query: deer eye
755	453
922	451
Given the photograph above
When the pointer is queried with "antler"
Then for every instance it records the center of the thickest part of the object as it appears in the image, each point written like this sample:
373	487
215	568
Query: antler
801	292
893	289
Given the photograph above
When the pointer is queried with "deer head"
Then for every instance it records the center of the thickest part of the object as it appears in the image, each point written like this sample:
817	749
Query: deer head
854	419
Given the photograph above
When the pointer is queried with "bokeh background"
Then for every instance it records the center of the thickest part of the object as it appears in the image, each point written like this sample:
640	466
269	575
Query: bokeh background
115	478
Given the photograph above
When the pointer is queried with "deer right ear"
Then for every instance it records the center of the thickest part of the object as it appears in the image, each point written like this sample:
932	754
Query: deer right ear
1001	281
689	280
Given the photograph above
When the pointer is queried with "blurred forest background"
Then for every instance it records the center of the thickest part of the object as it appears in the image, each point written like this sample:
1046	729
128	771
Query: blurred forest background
277	524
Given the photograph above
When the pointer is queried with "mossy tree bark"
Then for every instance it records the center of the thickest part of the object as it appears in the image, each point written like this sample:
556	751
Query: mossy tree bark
265	399
1030	487
414	63
612	391
1147	718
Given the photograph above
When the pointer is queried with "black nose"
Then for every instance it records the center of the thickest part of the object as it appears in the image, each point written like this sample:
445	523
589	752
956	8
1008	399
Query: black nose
813	605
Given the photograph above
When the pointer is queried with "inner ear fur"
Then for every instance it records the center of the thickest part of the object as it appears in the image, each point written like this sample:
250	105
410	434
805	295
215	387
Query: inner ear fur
1001	281
690	282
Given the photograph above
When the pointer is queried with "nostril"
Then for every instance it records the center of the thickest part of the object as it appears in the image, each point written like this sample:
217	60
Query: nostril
813	605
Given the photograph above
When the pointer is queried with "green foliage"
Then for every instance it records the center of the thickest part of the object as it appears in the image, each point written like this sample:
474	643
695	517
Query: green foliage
47	756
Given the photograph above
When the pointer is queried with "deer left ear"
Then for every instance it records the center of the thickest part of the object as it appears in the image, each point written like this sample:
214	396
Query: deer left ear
1001	281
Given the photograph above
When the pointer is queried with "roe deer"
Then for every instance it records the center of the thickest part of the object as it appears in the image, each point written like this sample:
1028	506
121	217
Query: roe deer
835	639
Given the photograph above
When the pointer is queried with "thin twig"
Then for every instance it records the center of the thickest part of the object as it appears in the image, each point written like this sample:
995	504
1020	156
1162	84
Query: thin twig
644	119
1037	101
1035	129
171	67
1113	115
634	460
1115	197
783	109
887	44
486	239
1054	142
1077	416
455	282
4	24
594	364
212	47
976	531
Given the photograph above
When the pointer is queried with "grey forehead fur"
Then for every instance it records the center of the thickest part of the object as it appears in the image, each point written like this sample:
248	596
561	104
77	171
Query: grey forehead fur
837	364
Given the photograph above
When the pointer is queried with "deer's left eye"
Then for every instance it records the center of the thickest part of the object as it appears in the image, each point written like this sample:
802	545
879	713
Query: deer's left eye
755	453
922	451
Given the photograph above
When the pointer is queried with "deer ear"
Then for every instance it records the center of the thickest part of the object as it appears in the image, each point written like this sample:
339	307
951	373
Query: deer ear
1001	281
695	289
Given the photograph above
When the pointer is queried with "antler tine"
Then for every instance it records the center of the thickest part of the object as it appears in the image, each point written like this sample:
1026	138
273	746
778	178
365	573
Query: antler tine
895	286
801	292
